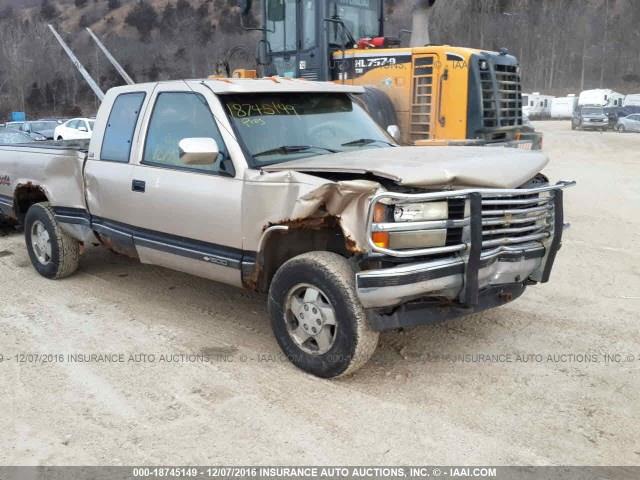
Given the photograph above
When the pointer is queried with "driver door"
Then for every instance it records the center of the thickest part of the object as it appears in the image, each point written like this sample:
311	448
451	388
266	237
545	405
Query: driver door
186	217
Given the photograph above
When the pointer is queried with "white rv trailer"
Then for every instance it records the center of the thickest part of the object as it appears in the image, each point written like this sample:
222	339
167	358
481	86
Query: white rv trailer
536	106
563	107
601	97
632	100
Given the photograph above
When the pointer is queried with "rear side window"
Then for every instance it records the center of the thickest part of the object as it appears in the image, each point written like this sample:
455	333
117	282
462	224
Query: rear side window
116	145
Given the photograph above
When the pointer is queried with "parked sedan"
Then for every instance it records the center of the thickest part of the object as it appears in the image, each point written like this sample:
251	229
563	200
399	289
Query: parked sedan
45	128
13	125
9	135
630	123
74	129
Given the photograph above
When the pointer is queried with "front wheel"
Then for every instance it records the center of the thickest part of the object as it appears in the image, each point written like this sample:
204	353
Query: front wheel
316	315
621	128
54	254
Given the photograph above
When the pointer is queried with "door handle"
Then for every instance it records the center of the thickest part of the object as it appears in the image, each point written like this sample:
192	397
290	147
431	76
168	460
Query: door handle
138	186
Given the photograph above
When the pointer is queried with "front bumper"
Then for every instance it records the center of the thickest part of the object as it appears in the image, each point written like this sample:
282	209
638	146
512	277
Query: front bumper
465	277
445	278
595	124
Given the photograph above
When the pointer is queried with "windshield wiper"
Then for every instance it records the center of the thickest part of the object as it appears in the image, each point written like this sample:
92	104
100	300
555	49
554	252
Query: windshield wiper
365	141
288	149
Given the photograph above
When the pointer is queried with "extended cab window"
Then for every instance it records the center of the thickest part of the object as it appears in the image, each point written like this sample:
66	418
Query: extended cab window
179	115
118	135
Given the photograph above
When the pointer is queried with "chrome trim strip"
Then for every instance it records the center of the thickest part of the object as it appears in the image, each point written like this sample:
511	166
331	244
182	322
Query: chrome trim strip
424	251
515	221
532	247
516	211
426	225
488	192
516	201
512	240
499	231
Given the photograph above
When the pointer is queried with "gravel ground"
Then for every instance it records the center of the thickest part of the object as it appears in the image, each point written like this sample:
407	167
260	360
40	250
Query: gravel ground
528	383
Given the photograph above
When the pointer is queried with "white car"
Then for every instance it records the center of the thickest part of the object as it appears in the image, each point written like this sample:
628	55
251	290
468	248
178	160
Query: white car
74	129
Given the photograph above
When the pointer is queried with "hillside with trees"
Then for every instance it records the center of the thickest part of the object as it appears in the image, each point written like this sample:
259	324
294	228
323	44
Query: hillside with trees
563	45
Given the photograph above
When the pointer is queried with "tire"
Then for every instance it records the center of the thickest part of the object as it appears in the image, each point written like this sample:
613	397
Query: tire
53	253
348	342
621	129
60	138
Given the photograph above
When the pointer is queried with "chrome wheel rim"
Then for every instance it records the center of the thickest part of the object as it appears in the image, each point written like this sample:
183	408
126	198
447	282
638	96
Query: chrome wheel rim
311	319
41	242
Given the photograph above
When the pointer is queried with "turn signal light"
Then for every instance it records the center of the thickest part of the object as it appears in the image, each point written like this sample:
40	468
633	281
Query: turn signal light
381	239
379	213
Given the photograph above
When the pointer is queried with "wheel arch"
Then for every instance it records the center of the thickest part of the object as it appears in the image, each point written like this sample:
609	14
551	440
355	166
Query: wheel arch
286	240
26	195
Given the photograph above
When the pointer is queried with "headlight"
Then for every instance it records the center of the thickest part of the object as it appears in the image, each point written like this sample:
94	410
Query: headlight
420	212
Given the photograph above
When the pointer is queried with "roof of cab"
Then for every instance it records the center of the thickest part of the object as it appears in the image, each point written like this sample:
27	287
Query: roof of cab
223	86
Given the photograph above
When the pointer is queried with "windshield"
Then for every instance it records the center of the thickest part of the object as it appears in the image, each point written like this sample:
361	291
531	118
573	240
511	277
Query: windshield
593	111
361	17
91	123
278	127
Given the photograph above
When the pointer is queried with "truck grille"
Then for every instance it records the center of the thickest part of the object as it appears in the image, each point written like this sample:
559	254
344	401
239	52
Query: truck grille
309	74
513	220
501	96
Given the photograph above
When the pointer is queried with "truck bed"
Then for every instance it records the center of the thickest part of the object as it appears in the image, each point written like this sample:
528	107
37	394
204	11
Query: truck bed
50	169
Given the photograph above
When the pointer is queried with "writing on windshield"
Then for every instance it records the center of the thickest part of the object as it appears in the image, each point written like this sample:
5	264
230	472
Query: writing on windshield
243	110
283	126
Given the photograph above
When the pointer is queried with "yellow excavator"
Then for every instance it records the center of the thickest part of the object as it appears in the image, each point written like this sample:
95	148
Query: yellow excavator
431	94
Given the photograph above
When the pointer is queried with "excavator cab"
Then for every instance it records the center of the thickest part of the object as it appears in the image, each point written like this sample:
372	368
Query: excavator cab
300	36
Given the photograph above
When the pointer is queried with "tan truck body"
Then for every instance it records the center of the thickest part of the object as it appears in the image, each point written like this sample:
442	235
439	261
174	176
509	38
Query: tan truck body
241	227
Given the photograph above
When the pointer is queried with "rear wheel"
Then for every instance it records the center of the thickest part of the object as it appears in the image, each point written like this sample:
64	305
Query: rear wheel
53	253
317	317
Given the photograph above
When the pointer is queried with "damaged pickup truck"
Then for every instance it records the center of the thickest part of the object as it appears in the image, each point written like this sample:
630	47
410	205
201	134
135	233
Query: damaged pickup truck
288	187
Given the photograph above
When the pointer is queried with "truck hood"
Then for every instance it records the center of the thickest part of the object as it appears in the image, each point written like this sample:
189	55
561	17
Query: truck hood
486	167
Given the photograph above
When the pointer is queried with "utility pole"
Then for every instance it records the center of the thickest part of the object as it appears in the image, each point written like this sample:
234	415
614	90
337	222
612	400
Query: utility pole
605	41
420	23
125	76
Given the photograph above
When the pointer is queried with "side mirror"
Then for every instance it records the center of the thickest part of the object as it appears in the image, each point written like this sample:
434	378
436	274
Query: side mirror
394	131
198	151
264	56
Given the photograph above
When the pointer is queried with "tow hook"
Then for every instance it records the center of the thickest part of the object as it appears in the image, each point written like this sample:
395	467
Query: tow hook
505	296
